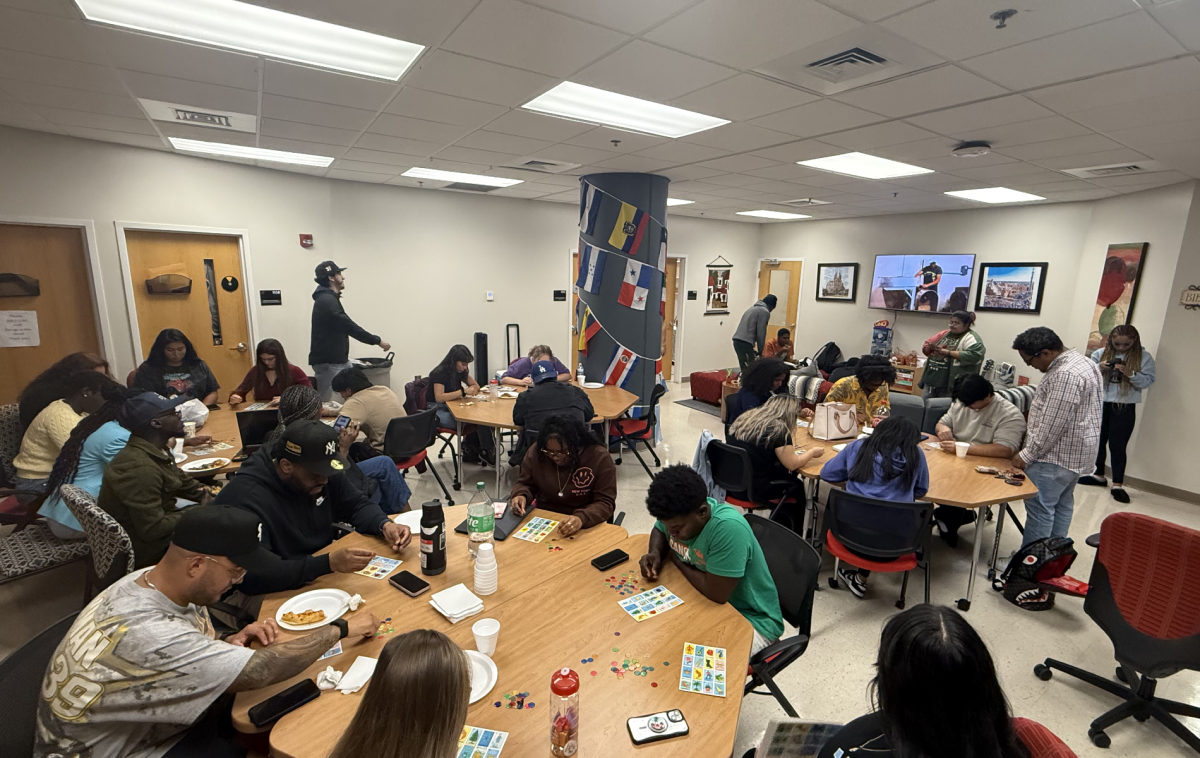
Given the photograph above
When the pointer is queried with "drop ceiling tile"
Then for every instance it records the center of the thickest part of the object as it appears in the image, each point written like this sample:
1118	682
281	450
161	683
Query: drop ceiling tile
48	35
782	172
1166	78
632	163
415	128
69	118
535	125
531	38
181	60
1107	46
312	84
743	97
801	150
503	143
1146	138
1002	171
1087	160
420	21
688	173
929	90
34	124
584	156
469	155
629	16
933	182
1182	20
743	162
299	146
123	138
934	147
1061	147
208	134
371	168
39	69
784	188
73	99
11	109
813	119
61	8
1164	109
1078	195
746	33
737	137
434	106
730	180
956	122
874	10
952	164
1157	179
648	71
602	138
308	132
869	138
519	191
676	152
195	94
319	114
357	176
458	75
1028	132
380	156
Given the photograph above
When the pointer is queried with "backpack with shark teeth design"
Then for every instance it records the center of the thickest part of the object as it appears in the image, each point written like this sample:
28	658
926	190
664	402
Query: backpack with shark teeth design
1029	580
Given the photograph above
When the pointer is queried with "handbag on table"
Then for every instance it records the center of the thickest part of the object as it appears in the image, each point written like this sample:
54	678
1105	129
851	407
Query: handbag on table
835	421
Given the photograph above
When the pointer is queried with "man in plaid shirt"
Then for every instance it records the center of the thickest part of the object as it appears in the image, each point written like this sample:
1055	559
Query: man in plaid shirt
1064	429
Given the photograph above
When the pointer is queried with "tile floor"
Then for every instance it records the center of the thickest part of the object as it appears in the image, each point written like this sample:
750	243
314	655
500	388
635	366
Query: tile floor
829	683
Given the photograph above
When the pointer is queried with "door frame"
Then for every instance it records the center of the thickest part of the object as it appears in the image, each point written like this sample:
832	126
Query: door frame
680	314
95	279
243	237
803	278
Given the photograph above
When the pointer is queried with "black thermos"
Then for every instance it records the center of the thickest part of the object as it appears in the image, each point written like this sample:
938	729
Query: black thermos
433	538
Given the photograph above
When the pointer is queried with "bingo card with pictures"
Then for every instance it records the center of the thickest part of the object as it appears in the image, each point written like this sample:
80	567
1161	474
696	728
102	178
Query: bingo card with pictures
536	530
649	603
703	670
477	742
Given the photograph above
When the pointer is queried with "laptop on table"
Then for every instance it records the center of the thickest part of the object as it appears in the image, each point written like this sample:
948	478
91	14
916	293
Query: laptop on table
253	428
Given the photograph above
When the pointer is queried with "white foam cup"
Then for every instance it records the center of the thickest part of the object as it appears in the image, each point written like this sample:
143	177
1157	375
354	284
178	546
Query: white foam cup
486	632
961	448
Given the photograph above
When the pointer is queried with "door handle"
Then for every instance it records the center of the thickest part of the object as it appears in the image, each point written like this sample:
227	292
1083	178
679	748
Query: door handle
240	347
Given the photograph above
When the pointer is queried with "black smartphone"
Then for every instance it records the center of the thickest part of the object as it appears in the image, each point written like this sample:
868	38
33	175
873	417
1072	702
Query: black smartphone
214	407
610	559
408	583
340	423
277	706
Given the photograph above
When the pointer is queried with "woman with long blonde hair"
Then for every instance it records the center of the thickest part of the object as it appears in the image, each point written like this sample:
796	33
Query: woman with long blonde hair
416	703
765	433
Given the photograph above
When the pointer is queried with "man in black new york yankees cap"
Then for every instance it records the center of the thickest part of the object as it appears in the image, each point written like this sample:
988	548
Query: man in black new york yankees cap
329	345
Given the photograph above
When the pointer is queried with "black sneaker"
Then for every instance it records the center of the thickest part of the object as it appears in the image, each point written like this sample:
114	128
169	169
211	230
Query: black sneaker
854	582
1119	494
948	534
488	458
1091	480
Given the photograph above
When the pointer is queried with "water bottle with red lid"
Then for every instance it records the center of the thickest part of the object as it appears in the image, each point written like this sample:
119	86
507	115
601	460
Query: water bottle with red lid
564	713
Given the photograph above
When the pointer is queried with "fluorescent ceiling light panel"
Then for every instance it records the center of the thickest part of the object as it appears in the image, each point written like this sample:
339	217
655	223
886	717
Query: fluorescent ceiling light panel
454	176
249	153
778	215
597	106
864	166
995	195
677	201
263	31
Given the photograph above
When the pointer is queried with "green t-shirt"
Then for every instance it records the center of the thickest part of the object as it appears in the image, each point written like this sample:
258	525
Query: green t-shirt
727	547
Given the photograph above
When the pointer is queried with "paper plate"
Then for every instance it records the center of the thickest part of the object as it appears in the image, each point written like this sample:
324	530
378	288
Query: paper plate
179	457
483	674
593	385
334	602
205	464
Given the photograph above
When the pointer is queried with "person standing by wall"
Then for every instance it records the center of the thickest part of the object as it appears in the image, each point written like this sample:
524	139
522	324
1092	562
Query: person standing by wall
329	345
1126	368
952	353
750	339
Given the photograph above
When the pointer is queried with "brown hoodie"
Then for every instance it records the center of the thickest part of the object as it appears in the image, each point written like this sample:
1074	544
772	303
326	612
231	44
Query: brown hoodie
589	487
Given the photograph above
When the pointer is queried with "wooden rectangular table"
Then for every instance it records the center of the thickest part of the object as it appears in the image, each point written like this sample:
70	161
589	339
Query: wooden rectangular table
952	481
222	427
555	610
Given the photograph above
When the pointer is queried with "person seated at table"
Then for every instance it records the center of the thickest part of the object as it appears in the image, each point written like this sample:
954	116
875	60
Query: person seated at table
296	487
423	675
174	369
712	545
546	398
141	673
452	381
567	471
780	346
143	488
270	375
867	389
765	433
888	465
933	670
370	406
51	428
47	386
520	373
765	378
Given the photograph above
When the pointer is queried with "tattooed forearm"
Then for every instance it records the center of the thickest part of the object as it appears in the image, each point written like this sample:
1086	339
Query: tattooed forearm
284	660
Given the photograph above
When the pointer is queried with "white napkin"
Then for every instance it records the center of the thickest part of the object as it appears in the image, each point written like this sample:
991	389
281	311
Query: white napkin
328	679
358	675
355	601
456	603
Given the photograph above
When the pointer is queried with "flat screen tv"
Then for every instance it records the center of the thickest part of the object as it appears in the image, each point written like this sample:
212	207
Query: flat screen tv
921	283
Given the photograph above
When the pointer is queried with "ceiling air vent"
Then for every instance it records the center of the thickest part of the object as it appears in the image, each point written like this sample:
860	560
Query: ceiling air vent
847	65
1115	169
468	187
541	165
804	201
187	115
865	55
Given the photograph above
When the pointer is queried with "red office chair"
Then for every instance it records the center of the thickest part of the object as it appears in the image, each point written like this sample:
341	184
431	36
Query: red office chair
1041	742
630	431
1144	593
407	441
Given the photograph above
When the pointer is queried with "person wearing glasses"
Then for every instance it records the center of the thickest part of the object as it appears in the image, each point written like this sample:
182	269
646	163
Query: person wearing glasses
567	471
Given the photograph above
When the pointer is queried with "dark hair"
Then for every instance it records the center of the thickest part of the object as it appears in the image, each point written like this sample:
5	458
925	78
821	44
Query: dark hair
762	374
783	333
934	671
573	433
874	368
353	378
971	388
966	317
87	380
770	301
893	434
676	491
296	403
283	373
47	387
67	462
457	353
158	351
1034	341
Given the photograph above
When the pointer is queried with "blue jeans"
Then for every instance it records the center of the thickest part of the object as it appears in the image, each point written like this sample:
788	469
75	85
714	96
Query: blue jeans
482	433
393	493
1048	513
324	373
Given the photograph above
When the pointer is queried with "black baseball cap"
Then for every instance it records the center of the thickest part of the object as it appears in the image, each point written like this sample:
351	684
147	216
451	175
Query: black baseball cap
312	445
225	530
328	269
544	371
138	410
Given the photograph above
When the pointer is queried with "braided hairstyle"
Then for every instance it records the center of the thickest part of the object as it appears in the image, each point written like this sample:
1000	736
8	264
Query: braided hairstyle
296	403
67	462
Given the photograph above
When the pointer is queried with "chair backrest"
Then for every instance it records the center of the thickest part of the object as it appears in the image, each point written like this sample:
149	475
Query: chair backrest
911	407
730	466
794	565
21	687
1041	742
935	408
10	440
651	417
1022	397
878	528
408	435
112	550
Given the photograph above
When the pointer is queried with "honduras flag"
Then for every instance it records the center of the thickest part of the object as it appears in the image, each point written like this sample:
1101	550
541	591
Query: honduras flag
636	286
627	233
591	268
620	369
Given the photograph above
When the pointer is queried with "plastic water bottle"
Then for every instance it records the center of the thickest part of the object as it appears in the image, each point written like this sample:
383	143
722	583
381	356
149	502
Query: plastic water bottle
564	713
481	520
579	375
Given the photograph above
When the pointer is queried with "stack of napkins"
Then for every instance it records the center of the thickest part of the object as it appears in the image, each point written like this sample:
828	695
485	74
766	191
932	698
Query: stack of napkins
456	603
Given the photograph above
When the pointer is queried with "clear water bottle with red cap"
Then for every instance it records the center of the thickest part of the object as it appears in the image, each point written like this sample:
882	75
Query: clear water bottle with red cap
564	713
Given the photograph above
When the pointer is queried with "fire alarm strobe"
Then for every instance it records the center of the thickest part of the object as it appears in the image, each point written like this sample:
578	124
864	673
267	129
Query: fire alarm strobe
306	240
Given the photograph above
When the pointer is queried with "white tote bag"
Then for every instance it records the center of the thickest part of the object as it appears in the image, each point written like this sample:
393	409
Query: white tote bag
835	421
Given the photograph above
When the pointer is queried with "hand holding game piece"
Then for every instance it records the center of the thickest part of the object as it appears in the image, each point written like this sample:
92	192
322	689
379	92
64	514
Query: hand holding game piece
517	504
350	559
396	535
650	564
570	525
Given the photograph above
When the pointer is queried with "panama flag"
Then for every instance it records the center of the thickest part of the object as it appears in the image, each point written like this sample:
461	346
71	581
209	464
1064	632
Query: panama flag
636	287
658	377
589	211
662	252
621	366
628	231
662	304
591	268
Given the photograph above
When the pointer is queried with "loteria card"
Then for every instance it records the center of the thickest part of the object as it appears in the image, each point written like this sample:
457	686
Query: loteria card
379	567
649	603
335	650
702	670
536	530
794	738
477	742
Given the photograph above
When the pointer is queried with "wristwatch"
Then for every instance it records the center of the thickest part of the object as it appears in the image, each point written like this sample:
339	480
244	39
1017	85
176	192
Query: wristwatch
343	627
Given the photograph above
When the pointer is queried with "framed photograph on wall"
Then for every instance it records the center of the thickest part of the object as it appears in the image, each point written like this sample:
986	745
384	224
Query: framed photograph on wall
717	300
837	281
1011	287
1118	288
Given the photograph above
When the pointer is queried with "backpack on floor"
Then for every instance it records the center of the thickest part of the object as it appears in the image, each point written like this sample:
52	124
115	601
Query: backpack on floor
1037	572
827	357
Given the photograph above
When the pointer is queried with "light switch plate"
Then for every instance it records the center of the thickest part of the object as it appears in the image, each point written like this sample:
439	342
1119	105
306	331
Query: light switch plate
490	296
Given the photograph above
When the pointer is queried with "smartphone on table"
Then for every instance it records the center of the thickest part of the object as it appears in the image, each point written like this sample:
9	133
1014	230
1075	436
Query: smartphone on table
408	583
610	559
277	706
657	726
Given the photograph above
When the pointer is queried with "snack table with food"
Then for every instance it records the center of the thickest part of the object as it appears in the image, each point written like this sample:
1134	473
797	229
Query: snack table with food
215	456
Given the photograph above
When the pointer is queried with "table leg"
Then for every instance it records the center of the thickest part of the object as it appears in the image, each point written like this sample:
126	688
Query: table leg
606	438
964	604
1003	508
496	431
462	475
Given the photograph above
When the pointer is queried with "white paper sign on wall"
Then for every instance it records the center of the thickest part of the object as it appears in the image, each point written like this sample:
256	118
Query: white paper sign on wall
19	329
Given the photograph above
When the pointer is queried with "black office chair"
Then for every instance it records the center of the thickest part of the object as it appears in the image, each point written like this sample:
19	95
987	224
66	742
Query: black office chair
630	431
406	442
21	676
794	565
732	471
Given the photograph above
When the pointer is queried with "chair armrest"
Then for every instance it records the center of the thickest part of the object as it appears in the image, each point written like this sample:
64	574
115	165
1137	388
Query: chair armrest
619	519
784	645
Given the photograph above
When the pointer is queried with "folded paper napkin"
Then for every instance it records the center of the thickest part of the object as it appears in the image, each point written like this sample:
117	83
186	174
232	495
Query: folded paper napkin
456	603
356	601
328	679
358	675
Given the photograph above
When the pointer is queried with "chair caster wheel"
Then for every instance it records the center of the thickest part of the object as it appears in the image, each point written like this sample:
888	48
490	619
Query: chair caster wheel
964	605
449	501
1043	672
991	575
1121	675
833	583
457	487
1099	738
900	604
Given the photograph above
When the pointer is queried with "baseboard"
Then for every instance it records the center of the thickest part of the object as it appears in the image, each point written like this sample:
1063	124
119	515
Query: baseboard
1161	489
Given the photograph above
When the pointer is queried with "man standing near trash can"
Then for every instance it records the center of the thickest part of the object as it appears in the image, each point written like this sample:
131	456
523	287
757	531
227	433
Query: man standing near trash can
329	348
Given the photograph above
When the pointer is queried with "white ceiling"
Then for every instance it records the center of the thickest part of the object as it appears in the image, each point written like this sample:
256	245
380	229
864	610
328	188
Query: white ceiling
1066	84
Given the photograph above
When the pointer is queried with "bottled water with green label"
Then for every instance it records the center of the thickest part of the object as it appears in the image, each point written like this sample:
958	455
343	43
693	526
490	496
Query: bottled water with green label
481	520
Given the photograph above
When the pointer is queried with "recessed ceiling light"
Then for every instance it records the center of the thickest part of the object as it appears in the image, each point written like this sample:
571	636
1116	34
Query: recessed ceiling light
254	29
780	215
250	153
596	106
454	176
995	195
864	166
677	201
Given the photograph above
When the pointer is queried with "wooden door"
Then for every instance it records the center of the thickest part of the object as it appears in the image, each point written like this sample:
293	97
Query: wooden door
668	324
782	280
56	258
223	342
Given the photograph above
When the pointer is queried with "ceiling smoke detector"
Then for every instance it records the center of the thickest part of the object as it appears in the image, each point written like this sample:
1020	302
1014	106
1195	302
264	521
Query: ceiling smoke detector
971	149
1001	17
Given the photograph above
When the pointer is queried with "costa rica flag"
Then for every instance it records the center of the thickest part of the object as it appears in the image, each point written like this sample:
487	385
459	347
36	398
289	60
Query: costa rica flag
627	233
620	368
636	286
